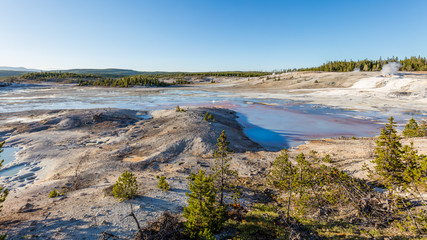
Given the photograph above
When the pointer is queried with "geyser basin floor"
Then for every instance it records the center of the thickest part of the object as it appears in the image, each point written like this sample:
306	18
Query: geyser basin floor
274	123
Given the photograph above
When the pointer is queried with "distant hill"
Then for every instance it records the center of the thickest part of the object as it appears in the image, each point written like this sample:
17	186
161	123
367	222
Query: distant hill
108	72
7	73
15	71
18	69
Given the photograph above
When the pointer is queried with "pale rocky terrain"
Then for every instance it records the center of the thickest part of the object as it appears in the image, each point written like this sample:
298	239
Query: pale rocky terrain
365	91
83	152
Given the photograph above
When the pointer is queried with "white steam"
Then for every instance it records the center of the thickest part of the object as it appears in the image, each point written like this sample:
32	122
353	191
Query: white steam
356	69
390	68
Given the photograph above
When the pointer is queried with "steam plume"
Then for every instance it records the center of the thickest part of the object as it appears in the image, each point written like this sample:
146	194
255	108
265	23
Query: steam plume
390	68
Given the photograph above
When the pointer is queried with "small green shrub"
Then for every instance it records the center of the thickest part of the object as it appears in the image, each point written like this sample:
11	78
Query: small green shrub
260	223
178	109
327	158
125	187
163	184
54	193
208	117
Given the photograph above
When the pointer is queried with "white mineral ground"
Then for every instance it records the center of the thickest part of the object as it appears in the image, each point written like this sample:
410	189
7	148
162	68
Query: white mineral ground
85	151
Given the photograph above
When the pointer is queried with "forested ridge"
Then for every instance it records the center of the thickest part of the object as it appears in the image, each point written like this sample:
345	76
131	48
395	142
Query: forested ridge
408	64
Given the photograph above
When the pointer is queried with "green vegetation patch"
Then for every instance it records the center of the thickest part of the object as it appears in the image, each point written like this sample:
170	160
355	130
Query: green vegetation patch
408	64
125	187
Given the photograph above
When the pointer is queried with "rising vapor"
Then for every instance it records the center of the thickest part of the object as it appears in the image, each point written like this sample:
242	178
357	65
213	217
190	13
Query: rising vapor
390	68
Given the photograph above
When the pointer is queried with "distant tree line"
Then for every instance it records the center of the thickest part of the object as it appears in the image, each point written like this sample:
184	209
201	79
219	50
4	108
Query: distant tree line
89	79
70	75
129	81
155	79
220	74
49	76
408	64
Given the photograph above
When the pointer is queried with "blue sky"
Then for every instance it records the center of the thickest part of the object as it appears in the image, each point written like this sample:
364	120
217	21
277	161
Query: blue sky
204	35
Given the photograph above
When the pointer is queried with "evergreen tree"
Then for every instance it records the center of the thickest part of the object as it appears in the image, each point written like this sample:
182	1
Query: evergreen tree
415	171
283	176
201	212
411	129
224	176
162	183
388	163
125	187
422	129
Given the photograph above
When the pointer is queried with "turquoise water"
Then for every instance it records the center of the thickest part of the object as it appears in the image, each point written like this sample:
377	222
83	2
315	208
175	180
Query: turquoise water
11	171
8	155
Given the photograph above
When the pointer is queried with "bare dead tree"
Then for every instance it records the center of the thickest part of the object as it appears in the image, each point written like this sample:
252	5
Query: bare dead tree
76	178
106	236
132	214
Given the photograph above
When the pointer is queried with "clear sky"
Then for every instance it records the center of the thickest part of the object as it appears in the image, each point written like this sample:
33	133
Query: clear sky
206	35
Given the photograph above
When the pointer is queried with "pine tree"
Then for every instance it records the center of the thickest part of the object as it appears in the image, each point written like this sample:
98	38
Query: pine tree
305	180
422	129
411	129
162	183
283	176
125	187
224	176
201	212
388	163
415	171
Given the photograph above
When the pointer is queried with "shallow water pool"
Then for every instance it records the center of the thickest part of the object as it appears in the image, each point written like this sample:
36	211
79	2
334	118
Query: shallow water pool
8	155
